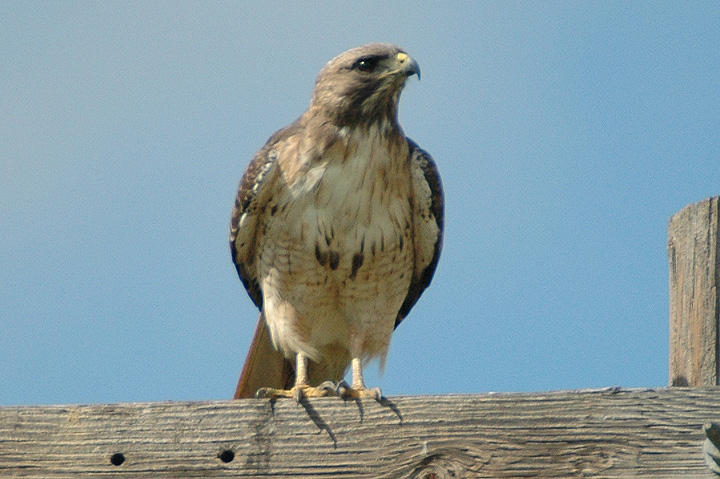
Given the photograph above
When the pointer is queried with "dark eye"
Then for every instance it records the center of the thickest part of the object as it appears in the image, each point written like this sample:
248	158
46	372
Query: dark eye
366	64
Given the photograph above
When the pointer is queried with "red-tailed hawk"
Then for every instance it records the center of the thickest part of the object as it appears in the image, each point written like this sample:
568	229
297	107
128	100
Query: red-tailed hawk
336	230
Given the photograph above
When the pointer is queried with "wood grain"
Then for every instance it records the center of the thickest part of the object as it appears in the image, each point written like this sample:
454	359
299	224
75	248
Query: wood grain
611	433
693	250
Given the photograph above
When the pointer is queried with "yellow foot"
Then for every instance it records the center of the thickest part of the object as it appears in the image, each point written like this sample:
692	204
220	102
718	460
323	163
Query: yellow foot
347	392
297	392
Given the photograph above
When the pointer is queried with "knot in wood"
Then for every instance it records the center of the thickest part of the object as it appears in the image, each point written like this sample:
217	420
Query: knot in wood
445	465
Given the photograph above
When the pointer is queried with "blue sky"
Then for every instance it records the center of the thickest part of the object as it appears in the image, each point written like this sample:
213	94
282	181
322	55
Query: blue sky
567	134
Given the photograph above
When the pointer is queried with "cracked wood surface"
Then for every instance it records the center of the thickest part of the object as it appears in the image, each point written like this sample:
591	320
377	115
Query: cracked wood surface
694	257
610	433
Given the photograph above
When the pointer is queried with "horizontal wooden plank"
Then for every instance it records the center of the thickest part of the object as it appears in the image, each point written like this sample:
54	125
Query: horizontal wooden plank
610	433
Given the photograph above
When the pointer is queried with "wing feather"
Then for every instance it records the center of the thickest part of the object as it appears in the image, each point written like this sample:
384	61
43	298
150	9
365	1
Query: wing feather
250	202
428	220
254	193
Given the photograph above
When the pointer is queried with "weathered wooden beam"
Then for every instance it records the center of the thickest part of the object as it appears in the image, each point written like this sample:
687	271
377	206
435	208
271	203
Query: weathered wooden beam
611	433
694	254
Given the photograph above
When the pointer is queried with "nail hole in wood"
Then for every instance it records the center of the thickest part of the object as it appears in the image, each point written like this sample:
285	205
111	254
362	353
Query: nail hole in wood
226	456
117	459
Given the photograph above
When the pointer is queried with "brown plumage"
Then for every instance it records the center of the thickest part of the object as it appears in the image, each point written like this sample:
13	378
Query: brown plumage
336	229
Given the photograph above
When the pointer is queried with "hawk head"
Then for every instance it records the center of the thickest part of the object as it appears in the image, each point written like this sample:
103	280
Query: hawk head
362	86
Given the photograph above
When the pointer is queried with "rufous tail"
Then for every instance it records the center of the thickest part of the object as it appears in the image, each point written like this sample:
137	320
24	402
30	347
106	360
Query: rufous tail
264	366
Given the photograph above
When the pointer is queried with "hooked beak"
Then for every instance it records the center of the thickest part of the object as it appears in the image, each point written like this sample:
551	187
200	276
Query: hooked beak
407	65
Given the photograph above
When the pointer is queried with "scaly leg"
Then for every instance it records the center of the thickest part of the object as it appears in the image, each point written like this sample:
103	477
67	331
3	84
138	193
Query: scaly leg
301	389
358	389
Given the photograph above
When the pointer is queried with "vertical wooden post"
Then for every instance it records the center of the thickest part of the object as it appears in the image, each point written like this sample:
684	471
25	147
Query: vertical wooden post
694	253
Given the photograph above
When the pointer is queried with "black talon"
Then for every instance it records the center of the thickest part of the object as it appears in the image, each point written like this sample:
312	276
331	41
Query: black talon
343	389
263	393
330	387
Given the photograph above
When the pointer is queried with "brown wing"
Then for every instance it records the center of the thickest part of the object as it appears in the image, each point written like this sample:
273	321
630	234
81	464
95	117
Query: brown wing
246	216
255	191
428	219
264	365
